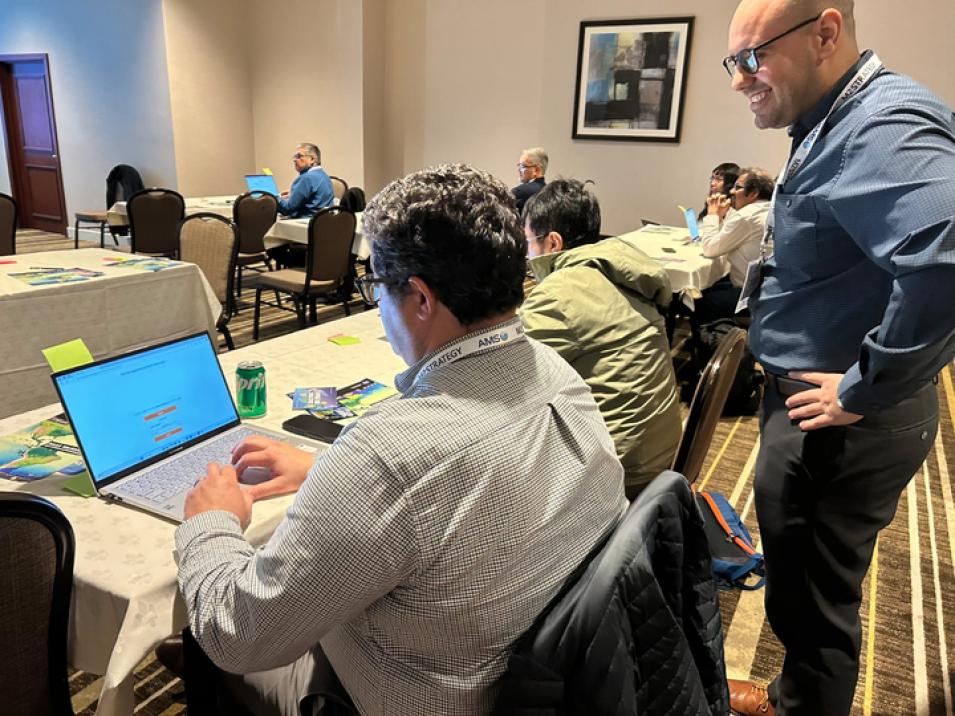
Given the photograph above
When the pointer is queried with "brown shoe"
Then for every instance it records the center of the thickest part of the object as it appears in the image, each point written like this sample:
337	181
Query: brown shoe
748	699
169	653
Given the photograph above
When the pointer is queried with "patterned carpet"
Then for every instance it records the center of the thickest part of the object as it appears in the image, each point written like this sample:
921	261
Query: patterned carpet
909	603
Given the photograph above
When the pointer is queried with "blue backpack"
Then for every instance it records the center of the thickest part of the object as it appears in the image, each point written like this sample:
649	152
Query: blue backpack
731	548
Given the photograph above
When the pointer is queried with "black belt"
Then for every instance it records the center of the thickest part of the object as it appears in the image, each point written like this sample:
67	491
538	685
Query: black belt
787	386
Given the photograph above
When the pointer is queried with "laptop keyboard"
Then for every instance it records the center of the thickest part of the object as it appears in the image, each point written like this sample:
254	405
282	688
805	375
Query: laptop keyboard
168	479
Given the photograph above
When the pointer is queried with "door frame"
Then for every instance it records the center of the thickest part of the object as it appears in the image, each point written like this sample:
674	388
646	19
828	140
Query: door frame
15	158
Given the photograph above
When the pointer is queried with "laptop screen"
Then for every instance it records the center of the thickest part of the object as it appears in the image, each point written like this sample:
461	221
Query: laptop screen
691	223
262	182
138	408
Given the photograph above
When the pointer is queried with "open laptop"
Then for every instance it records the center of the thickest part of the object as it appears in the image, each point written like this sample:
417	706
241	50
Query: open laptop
149	422
262	182
691	223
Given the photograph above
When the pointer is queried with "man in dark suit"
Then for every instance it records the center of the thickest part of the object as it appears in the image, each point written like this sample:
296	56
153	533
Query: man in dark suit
530	168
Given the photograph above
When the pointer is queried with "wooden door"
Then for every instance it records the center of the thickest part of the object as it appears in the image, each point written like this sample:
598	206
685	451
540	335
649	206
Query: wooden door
31	142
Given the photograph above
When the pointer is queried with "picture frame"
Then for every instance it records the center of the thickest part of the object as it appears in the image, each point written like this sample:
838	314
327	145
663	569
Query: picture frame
631	79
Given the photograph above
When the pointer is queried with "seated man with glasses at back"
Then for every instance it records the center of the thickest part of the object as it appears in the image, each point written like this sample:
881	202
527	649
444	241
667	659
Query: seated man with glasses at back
736	235
599	304
531	169
437	527
312	189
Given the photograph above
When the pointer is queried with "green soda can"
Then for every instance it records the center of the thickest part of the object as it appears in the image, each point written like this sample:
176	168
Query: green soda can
250	389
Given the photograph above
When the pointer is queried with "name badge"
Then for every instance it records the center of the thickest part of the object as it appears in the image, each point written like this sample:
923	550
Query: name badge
754	277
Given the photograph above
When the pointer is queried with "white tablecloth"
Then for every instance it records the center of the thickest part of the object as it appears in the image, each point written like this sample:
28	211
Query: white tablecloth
296	230
688	269
124	309
125	598
221	205
282	231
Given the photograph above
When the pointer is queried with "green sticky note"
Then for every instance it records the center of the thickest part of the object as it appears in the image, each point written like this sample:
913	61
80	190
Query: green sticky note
343	340
80	485
68	355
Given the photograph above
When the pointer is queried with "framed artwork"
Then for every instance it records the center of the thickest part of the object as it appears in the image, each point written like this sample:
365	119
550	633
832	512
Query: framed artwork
631	78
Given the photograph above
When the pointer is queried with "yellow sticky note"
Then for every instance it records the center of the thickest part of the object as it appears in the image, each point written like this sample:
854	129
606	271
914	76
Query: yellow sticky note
80	485
266	170
68	355
342	340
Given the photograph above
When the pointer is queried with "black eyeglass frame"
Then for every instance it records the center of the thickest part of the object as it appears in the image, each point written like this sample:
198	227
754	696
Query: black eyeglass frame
366	286
732	62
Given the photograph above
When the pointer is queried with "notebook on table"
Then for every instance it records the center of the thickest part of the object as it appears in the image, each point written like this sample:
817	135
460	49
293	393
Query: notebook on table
149	422
262	182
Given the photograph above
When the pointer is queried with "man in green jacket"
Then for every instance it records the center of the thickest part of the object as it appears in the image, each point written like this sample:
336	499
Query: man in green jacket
599	304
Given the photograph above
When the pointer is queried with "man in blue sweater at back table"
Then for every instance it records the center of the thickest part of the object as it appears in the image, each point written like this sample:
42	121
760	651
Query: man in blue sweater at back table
312	189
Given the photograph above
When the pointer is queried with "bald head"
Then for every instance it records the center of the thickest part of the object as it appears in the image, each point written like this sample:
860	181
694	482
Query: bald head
805	47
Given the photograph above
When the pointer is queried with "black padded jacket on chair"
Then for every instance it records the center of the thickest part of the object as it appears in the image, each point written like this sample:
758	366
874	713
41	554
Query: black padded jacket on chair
122	182
638	632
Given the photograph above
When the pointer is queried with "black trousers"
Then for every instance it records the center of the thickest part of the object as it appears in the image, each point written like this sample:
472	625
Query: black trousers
821	499
718	301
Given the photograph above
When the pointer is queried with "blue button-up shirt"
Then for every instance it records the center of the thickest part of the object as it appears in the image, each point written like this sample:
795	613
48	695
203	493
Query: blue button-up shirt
862	281
311	191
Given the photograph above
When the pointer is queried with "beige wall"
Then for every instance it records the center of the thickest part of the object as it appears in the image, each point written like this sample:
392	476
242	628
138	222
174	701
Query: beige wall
209	58
461	84
307	84
914	38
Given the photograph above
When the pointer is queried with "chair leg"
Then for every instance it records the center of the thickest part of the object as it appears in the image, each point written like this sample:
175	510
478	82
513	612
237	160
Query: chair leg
102	234
238	283
312	310
224	330
300	311
255	320
346	306
76	234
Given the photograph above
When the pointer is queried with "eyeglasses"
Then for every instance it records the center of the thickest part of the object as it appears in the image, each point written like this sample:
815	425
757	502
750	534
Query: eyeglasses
746	59
739	187
522	167
299	155
369	287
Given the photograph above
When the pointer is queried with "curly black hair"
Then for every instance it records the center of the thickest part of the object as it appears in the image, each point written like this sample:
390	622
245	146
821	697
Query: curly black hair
456	228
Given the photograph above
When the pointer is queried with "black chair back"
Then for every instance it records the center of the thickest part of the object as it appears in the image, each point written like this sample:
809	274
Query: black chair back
636	628
254	213
707	404
121	183
36	560
330	235
154	216
8	225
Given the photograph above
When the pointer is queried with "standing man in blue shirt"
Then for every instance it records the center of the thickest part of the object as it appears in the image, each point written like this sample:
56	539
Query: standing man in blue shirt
852	319
312	189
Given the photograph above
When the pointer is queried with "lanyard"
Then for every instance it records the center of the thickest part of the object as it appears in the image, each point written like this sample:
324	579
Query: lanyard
494	337
861	78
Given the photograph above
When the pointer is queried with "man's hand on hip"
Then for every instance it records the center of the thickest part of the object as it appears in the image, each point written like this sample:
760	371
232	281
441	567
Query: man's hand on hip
819	407
220	490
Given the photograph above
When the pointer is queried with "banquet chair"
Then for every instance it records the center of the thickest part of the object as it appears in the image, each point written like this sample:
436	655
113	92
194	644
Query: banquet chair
707	404
36	559
154	216
339	187
8	225
210	242
635	629
327	264
254	213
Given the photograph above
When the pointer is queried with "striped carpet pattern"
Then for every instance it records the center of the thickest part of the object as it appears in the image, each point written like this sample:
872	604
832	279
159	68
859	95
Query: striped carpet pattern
908	612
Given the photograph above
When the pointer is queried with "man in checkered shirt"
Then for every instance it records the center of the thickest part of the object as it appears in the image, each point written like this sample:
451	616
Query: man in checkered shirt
427	539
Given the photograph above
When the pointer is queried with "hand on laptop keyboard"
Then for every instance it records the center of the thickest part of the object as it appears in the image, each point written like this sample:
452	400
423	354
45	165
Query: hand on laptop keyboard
220	490
289	466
